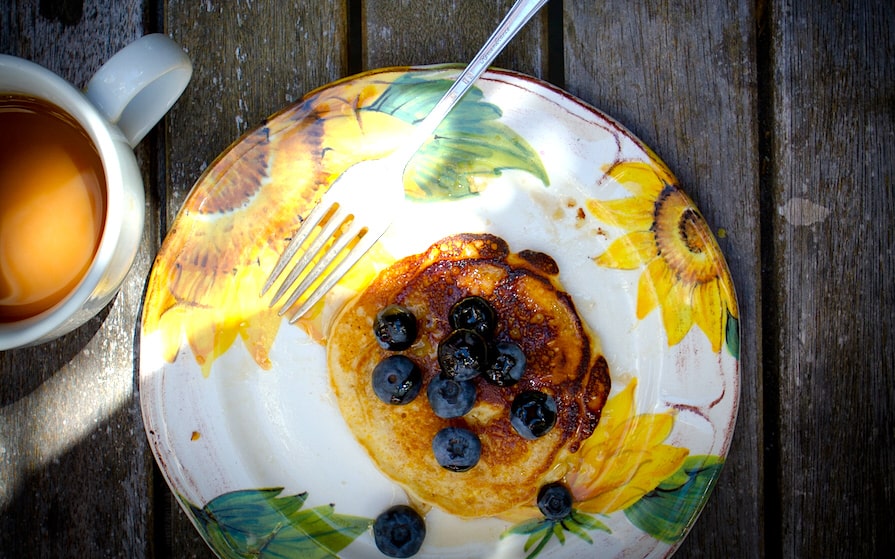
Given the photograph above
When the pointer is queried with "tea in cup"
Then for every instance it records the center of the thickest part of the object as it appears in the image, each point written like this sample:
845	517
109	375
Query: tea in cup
71	192
52	206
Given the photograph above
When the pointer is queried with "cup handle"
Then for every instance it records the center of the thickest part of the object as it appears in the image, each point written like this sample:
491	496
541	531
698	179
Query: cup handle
139	84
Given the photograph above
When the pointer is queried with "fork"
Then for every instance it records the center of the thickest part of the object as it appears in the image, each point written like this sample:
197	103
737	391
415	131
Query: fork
352	213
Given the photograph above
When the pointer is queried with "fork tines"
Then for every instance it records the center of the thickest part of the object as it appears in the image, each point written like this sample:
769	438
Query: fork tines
325	257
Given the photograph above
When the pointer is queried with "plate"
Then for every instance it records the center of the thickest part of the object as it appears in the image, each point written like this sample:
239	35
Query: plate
237	402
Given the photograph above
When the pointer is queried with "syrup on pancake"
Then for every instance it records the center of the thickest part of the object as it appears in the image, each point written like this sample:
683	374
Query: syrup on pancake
533	312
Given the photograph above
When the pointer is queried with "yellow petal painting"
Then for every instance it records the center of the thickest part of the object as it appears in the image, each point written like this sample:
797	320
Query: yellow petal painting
624	459
683	273
226	241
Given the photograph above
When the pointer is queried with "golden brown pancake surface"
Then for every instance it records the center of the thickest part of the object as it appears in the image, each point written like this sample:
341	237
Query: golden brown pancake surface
533	312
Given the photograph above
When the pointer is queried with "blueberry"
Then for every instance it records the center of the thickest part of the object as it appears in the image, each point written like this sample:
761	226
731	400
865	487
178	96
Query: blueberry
450	397
533	413
399	531
508	366
473	313
555	501
463	355
395	328
457	449
397	379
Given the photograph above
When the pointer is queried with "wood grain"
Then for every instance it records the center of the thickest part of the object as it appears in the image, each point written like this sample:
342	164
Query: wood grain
73	457
831	289
406	32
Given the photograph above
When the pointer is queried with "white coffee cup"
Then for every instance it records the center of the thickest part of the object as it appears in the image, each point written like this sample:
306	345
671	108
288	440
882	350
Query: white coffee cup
126	97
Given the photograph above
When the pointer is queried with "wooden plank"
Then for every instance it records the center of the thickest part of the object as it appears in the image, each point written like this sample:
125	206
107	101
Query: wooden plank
75	468
402	33
682	77
831	290
250	59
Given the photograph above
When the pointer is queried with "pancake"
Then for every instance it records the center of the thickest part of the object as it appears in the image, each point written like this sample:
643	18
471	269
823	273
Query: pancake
533	312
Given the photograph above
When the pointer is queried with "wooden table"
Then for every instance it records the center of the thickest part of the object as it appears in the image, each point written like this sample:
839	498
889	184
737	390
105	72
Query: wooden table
777	116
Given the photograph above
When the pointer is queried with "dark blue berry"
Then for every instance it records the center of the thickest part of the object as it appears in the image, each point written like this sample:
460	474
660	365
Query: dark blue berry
395	328
473	313
533	413
450	397
555	501
399	531
457	449
508	366
397	379
463	355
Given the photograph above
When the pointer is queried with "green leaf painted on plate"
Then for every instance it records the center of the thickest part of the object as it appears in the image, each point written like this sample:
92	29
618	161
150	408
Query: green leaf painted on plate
470	143
541	531
732	335
667	512
532	526
260	523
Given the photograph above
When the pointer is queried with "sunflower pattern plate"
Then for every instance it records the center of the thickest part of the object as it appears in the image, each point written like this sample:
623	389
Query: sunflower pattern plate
237	402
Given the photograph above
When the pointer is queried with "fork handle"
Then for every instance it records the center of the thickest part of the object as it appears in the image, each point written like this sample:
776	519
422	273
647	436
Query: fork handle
516	18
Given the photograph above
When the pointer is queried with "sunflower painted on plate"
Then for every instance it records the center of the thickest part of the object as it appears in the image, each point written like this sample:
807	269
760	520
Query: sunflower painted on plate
627	465
683	273
237	220
206	282
625	458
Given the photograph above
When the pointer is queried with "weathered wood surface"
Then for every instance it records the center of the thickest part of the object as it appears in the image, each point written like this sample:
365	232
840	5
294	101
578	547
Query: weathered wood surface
778	117
829	347
75	467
